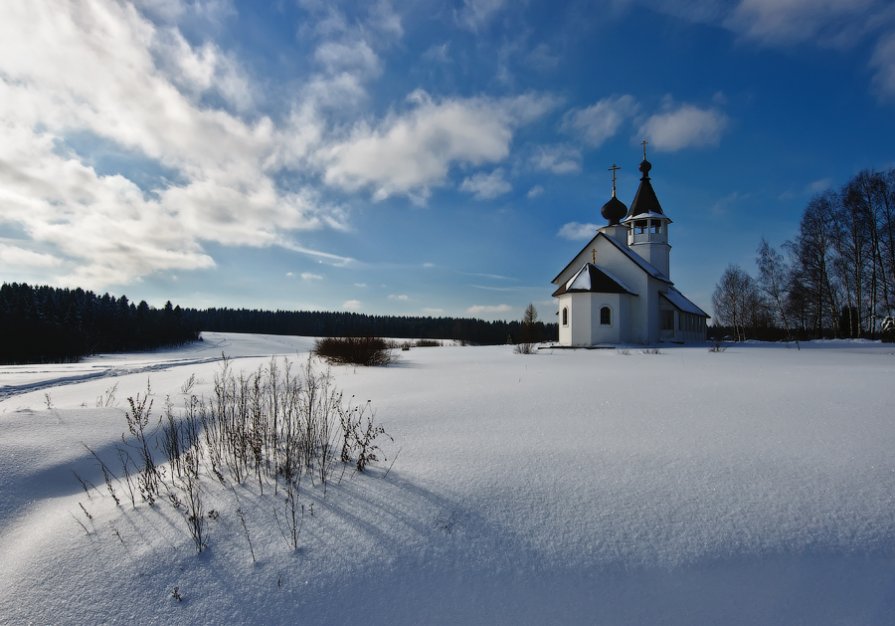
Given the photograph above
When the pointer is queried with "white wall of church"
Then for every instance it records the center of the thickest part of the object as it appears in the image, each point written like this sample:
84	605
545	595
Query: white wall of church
580	320
611	332
584	325
656	254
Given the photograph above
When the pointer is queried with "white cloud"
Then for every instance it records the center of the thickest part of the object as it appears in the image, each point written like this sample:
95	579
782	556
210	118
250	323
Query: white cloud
595	124
576	231
475	15
723	206
558	159
543	58
309	276
400	297
14	256
486	186
336	57
826	22
488	309
352	305
360	285
411	153
883	62
439	53
216	172
842	24
819	186
534	192
196	71
687	126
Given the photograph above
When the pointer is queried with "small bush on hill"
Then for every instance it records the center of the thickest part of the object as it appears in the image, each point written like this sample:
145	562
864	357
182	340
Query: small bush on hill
427	343
356	350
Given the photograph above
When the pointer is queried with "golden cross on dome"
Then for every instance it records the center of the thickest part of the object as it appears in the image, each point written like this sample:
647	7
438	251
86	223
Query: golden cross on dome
613	169
643	143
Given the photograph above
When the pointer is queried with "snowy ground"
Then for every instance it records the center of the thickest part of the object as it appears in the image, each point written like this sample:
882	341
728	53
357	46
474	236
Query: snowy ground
751	486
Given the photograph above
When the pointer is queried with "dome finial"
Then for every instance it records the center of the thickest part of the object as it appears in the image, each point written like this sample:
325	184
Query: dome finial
645	166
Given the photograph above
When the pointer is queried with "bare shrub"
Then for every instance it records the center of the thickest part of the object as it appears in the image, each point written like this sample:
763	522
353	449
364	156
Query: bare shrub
281	426
367	351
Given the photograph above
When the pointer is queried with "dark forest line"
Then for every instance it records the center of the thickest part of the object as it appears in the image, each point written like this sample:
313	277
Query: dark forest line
49	324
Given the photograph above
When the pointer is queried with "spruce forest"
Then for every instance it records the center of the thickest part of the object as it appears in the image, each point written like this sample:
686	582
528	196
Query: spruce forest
48	324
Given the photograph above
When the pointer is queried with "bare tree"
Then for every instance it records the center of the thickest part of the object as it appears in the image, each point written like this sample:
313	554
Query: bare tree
736	301
773	279
814	254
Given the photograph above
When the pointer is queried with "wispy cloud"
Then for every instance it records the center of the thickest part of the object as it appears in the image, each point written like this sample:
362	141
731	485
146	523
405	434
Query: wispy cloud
486	186
838	24
475	15
399	297
489	309
352	305
684	126
577	231
557	159
309	276
594	124
14	256
883	63
534	192
828	22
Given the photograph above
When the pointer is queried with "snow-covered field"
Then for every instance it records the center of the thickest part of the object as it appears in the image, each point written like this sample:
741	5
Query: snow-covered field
753	486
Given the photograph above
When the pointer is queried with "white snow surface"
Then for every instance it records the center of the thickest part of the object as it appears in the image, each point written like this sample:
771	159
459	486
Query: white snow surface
752	486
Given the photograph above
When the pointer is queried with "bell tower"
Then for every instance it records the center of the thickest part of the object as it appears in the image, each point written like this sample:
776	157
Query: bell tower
647	224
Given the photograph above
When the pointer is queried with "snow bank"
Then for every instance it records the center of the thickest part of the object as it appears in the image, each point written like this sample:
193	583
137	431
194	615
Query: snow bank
751	486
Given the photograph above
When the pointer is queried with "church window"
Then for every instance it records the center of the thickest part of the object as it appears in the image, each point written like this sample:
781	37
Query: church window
565	316
667	319
605	316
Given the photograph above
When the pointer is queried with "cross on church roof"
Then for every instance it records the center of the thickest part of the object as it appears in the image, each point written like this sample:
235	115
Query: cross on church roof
613	169
643	143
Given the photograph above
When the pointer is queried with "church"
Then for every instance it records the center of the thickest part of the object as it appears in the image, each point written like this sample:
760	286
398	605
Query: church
618	289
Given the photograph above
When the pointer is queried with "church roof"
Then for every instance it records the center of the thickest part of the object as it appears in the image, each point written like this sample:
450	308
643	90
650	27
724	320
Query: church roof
633	256
681	303
645	204
592	279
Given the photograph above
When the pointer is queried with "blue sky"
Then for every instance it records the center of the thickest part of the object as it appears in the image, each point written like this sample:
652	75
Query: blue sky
429	157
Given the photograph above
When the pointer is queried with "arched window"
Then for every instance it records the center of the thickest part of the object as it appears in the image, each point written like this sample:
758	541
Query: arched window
565	316
605	316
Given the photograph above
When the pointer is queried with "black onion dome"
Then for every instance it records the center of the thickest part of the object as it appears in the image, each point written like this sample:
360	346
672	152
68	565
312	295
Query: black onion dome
613	211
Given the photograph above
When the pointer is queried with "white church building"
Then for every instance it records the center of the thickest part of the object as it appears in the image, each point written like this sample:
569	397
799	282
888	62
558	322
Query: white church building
618	289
